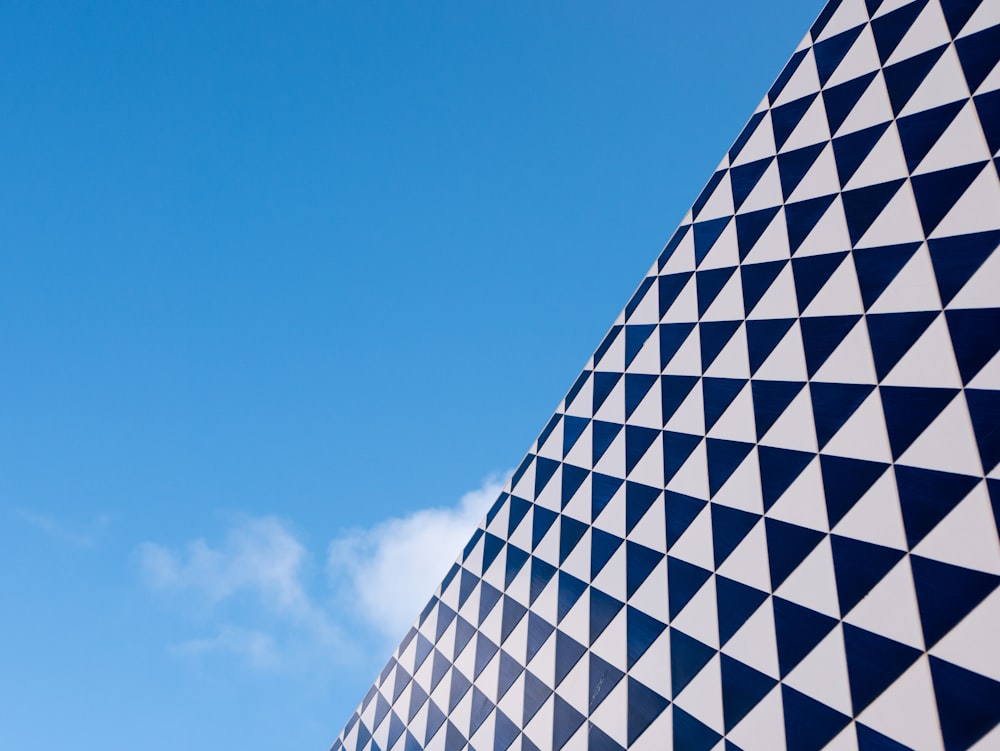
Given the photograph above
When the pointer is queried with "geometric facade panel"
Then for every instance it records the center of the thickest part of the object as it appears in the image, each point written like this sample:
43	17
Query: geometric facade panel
765	515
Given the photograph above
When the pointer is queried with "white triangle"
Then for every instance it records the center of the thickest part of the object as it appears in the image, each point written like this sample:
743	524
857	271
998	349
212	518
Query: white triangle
928	31
574	687
734	359
649	413
700	617
971	522
728	306
884	162
612	517
830	234
683	258
898	223
695	545
821	179
690	416
863	436
702	697
582	452
945	83
613	461
889	6
860	60
890	609
914	288
876	517
980	290
613	360
803	503
973	643
787	362
684	308
653	668
989	376
822	675
647	359
725	251
991	82
872	108
687	359
748	563
794	429
652	597
907	710
813	584
583	403
976	210
962	143
986	16
840	295
720	203
742	489
756	643
648	309
737	422
763	729
845	740
540	727
766	193
760	145
779	299
649	469
948	444
611	715
552	448
612	409
652	737
847	16
804	81
812	128
577	563
929	363
772	245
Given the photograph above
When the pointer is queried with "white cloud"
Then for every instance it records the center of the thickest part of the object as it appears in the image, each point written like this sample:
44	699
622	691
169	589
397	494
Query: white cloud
391	570
85	535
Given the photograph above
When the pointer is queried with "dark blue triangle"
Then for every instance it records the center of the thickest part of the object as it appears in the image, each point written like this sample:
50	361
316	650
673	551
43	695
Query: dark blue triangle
396	728
505	732
958	12
540	524
873	663
489	596
474	540
606	343
840	100
715	336
946	594
603	609
445	616
681	510
745	178
984	409
637	385
565	722
787	546
801	217
968	704
710	283
785	76
604	384
639	564
979	54
672	336
821	336
513	612
956	259
736	603
729	527
975	338
890	29
635	337
685	581
892	335
988	107
644	706
706	192
793	166
454	740
779	468
723	459
862	206
604	434
718	394
705	235
872	740
687	657
670	287
435	719
757	279
639	295
518	510
824	18
603	545
833	404
492	546
919	132
850	151
547	430
742	690
673	391
539	631
812	273
571	532
763	337
573	428
858	567
638	499
927	496
598	740
770	400
787	116
602	488
571	589
809	724
908	412
937	192
482	708
877	267
845	481
904	78
677	447
642	631
568	653
672	244
637	442
993	486
464	631
536	692
691	734
748	130
439	667
831	51
460	686
572	479
750	227
466	586
571	395
544	469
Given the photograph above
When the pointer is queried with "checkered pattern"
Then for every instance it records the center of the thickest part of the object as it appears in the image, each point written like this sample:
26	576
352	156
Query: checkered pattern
765	515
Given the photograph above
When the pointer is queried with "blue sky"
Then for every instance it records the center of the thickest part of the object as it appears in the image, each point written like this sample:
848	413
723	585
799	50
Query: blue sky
285	288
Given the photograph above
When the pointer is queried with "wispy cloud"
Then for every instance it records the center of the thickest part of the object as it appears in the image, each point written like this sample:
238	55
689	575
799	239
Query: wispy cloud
258	591
85	535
